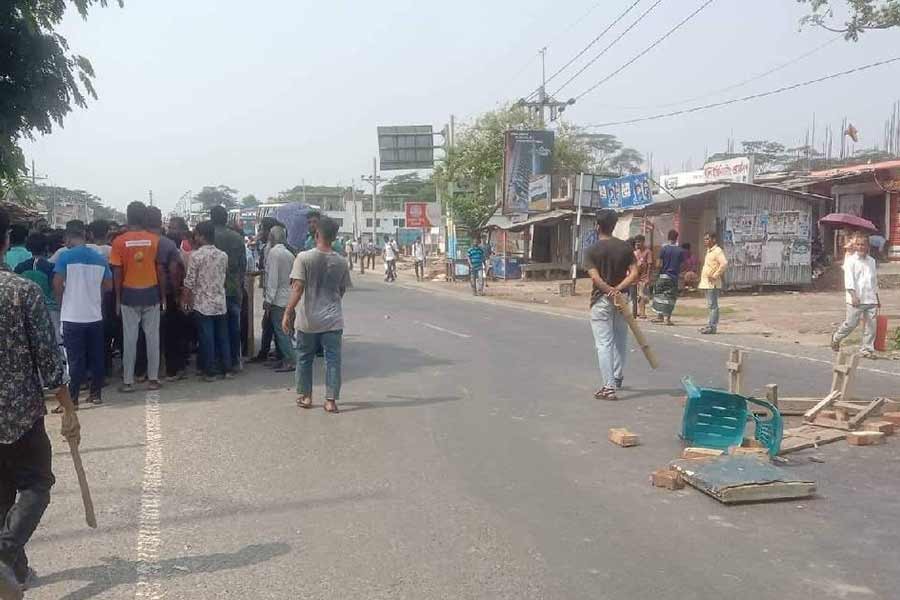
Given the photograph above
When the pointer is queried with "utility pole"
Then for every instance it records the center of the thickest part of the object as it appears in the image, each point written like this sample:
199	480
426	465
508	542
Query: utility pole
357	232
374	180
543	100
151	197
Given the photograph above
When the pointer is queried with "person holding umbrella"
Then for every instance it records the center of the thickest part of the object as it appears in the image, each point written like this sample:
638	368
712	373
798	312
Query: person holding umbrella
861	284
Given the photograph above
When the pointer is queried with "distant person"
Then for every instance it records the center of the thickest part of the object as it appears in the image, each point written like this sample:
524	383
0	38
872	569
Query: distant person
690	267
371	253
476	257
644	258
863	302
877	244
40	270
173	325
268	333
279	264
418	253
665	291
612	266
390	254
319	279
312	224
231	244
350	248
30	361
17	252
204	292
80	278
140	285
714	266
97	234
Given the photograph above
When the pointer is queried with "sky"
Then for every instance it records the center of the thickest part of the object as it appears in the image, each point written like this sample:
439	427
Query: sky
263	95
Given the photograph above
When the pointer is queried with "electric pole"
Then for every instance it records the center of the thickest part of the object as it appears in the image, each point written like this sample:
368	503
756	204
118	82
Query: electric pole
543	100
374	179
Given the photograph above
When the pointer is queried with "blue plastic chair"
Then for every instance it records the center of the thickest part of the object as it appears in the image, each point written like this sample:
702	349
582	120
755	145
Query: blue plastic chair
717	419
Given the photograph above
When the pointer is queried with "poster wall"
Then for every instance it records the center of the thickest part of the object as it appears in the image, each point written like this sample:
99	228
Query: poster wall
527	164
630	191
772	240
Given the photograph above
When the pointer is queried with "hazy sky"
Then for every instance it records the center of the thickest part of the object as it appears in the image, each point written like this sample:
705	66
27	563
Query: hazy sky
259	95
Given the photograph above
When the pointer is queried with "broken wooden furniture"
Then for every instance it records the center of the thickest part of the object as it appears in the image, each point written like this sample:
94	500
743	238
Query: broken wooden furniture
717	419
736	479
735	366
848	416
843	376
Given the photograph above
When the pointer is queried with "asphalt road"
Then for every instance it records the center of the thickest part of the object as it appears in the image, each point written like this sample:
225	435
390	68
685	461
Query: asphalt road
470	461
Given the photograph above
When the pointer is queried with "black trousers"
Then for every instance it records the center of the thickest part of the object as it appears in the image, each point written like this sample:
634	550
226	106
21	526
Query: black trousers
25	470
175	329
371	261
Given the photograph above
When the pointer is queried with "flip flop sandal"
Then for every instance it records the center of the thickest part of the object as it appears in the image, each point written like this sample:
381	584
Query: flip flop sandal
335	410
304	402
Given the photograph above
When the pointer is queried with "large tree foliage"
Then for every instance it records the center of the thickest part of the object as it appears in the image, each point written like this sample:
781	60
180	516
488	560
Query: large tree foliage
50	195
412	185
862	15
249	201
475	164
770	157
211	196
40	78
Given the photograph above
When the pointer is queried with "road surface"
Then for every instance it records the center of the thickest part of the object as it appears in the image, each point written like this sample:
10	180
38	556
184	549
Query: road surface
470	462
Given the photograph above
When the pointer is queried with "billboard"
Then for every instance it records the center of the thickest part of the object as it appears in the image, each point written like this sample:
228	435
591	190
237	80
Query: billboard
417	215
527	162
739	170
673	181
406	147
630	191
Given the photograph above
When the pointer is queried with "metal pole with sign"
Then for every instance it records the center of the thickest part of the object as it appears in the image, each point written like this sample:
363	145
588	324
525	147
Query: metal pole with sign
576	241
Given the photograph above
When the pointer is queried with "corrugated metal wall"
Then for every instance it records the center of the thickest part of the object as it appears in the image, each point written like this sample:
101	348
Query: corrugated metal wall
754	201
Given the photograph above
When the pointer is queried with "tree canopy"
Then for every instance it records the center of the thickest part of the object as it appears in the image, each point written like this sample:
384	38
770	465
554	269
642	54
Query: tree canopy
211	196
249	201
411	184
862	15
40	78
49	195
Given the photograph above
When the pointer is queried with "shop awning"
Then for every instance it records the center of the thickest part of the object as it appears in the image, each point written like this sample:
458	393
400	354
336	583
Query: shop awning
547	218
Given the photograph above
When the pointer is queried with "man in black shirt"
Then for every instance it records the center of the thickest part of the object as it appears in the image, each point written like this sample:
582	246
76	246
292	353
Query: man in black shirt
612	267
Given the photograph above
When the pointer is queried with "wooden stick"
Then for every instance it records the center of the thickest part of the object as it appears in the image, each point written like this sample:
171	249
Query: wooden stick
636	330
89	516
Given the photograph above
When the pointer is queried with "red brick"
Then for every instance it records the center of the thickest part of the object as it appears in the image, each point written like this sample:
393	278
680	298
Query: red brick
669	479
865	438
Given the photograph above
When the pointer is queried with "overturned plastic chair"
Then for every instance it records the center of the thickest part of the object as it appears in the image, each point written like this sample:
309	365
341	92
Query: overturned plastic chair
717	419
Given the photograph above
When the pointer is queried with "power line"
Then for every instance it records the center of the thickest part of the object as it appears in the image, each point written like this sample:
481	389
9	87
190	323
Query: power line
645	50
605	50
750	97
592	42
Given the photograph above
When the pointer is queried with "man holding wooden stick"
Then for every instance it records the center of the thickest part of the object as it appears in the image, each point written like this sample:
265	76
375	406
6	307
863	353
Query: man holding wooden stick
30	360
613	268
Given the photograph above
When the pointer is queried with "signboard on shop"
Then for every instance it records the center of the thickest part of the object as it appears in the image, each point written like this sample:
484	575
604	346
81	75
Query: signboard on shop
417	215
738	170
630	191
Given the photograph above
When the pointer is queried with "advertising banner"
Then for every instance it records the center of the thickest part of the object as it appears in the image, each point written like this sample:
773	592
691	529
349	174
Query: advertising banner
738	170
528	159
630	191
417	215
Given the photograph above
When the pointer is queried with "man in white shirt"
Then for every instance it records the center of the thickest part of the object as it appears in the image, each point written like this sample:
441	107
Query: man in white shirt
418	252
390	259
861	283
277	293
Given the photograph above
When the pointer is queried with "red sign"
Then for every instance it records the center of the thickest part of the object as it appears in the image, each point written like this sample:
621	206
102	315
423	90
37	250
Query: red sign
417	215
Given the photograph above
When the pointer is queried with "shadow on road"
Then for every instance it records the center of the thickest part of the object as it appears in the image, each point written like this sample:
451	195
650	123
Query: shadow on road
101	449
634	394
363	359
398	402
116	572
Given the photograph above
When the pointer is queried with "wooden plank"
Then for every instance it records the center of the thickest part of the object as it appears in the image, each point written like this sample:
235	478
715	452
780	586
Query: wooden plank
798	406
822	405
866	413
808	436
736	479
772	395
832	423
850	376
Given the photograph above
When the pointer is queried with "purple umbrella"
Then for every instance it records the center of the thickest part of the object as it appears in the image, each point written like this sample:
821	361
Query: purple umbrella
845	220
293	216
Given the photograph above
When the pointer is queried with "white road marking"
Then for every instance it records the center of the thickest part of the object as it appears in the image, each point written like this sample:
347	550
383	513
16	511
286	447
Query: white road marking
441	329
149	538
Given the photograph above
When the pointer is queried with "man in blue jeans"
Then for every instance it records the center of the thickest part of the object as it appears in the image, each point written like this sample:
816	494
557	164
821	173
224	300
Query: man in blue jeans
318	281
613	268
80	277
277	293
230	243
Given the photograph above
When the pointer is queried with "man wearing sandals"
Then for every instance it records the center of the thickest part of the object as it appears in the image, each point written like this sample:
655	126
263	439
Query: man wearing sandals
613	268
318	281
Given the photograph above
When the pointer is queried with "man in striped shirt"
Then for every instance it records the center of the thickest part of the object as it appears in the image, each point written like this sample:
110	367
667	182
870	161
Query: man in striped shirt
476	266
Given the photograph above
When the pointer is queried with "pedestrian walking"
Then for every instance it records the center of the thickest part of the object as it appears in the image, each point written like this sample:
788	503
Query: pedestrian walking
204	292
30	360
612	266
390	253
268	333
644	258
319	279
475	256
350	247
312	224
80	277
140	286
665	290
277	294
232	245
863	302
714	266
418	252
371	253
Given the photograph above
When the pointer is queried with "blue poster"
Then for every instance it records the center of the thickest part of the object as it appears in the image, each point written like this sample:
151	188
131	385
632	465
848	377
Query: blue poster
630	191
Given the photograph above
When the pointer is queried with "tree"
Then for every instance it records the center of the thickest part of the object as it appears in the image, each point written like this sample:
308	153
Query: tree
40	78
411	184
627	161
863	15
49	195
219	195
249	201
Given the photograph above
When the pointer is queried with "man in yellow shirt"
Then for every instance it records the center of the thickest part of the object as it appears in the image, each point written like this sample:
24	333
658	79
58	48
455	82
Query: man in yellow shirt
714	266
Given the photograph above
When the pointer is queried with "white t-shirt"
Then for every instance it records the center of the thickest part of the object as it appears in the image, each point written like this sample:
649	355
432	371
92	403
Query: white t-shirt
418	251
390	251
84	271
861	275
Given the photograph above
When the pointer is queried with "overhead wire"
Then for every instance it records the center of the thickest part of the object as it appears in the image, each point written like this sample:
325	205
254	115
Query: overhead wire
747	98
646	50
611	44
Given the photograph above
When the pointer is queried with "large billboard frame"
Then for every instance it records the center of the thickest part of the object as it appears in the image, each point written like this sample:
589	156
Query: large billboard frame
406	147
527	171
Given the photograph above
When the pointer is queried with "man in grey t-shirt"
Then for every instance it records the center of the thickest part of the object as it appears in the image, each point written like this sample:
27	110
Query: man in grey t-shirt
318	281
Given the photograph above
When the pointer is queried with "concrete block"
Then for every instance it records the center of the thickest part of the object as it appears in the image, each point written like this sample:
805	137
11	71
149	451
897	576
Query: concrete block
622	437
